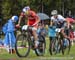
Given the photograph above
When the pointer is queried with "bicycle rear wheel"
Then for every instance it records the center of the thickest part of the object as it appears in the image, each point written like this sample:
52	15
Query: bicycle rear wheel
22	45
41	47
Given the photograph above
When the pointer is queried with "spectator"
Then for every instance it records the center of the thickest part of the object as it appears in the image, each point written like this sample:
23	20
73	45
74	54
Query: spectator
9	39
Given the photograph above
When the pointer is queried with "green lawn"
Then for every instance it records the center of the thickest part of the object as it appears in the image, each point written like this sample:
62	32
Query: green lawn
4	55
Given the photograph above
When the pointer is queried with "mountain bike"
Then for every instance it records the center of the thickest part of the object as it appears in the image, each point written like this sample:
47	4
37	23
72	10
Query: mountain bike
60	44
56	43
25	42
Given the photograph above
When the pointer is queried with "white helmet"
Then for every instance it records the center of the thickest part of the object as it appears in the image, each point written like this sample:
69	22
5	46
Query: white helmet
25	9
54	12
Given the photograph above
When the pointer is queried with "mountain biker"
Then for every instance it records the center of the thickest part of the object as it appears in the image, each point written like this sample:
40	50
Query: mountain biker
59	22
70	22
32	20
9	39
57	19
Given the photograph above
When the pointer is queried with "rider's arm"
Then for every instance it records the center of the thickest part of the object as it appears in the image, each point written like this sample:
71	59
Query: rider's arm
64	34
61	18
28	23
37	20
51	21
20	17
68	22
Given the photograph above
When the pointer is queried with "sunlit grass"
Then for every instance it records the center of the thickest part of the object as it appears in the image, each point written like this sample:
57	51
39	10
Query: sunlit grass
32	56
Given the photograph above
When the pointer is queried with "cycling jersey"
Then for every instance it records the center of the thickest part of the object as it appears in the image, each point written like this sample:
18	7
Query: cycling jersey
70	20
59	21
70	29
31	17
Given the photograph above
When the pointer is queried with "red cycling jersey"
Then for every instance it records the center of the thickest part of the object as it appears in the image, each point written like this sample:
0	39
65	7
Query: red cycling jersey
32	17
70	20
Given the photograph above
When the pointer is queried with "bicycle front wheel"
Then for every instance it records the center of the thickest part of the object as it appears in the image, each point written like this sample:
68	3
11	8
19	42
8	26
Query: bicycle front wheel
66	46
22	46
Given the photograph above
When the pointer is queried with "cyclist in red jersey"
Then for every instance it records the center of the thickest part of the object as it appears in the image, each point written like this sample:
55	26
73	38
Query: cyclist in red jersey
33	20
70	20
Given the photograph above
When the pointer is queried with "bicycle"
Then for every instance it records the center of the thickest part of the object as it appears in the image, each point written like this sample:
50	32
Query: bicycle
56	44
25	42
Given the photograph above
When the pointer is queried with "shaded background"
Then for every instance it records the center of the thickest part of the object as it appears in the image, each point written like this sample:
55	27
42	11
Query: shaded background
14	7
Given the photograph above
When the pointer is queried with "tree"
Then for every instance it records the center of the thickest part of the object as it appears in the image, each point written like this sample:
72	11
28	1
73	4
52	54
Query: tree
10	8
0	9
6	9
14	7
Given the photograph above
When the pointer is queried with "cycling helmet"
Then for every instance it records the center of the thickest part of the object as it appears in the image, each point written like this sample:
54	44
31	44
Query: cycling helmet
25	9
14	18
54	12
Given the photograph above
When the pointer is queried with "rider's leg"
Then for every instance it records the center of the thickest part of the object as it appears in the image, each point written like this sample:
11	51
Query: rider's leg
35	36
71	38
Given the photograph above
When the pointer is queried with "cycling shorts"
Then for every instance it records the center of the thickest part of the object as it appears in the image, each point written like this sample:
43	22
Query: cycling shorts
34	28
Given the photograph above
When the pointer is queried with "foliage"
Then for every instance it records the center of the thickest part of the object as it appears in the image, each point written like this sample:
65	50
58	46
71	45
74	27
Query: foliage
14	7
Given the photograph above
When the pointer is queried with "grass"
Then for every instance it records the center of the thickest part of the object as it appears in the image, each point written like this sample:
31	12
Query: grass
4	55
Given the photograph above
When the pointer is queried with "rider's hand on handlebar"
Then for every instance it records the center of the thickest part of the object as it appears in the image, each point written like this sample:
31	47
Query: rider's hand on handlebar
17	26
67	37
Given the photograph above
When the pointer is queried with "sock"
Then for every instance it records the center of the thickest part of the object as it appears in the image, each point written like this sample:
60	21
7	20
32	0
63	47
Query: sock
36	42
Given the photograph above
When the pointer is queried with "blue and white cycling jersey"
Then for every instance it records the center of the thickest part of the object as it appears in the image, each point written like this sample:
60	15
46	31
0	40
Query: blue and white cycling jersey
59	21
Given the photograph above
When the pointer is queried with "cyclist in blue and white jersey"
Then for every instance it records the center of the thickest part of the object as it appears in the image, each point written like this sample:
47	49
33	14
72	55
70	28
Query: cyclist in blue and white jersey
57	19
